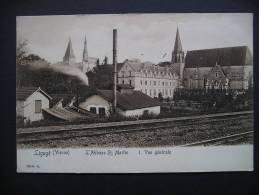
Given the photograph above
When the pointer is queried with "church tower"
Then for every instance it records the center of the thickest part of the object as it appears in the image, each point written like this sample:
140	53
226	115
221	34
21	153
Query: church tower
85	61
69	57
178	55
85	53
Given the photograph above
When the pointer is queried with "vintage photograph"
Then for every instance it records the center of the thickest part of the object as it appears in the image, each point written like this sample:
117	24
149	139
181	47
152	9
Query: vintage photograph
134	80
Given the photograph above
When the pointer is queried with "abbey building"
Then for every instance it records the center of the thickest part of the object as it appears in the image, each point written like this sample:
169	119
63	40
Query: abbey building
215	68
87	63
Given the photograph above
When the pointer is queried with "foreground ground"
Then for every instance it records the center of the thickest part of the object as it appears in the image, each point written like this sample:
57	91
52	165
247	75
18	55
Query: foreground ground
180	134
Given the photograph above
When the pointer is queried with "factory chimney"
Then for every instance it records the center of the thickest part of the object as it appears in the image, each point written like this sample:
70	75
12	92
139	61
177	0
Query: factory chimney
114	69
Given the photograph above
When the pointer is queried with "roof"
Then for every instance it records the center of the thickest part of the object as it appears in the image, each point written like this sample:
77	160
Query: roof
139	66
25	92
124	86
69	54
68	114
177	43
57	97
131	101
227	56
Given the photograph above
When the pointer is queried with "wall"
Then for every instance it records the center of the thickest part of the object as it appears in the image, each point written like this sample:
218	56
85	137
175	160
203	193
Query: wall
29	106
138	112
97	102
239	76
19	108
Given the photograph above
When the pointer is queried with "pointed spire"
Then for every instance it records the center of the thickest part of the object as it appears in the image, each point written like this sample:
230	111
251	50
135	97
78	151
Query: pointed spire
69	56
177	43
85	53
177	54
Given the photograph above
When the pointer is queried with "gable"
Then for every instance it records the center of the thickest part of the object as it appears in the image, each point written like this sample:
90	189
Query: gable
94	100
126	67
37	95
216	73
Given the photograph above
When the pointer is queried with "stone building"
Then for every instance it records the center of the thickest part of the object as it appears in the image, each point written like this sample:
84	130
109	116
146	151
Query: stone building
216	68
149	78
219	68
87	64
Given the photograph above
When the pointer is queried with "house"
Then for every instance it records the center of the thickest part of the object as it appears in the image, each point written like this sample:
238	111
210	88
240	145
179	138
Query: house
129	102
30	102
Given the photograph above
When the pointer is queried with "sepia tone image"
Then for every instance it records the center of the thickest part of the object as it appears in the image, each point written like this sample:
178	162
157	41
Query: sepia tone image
134	80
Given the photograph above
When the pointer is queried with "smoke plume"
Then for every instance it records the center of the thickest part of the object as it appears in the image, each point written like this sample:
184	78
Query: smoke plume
70	70
62	68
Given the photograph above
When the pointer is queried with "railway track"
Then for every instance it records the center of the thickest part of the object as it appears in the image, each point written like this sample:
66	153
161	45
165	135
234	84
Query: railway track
221	140
45	136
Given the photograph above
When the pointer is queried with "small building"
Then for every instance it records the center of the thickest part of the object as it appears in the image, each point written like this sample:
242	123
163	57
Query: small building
129	102
30	102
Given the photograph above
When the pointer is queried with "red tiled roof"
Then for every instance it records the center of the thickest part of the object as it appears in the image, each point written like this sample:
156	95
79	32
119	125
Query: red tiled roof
132	101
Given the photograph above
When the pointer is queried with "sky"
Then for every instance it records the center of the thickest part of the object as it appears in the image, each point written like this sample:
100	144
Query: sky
149	37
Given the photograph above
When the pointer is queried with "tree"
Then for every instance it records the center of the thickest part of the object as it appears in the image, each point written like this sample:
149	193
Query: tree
21	51
160	97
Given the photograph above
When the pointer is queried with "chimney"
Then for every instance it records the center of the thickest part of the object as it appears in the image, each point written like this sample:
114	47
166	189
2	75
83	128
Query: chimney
114	69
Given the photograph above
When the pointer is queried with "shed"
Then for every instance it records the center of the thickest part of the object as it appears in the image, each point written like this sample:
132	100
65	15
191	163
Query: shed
29	103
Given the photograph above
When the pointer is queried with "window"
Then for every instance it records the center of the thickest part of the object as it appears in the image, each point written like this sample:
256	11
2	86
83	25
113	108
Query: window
154	93
122	81
130	82
145	82
93	110
216	74
38	106
101	112
154	82
140	82
150	92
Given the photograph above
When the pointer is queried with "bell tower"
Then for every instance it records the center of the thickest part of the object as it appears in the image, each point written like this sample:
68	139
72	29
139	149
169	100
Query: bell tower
178	56
85	62
69	57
